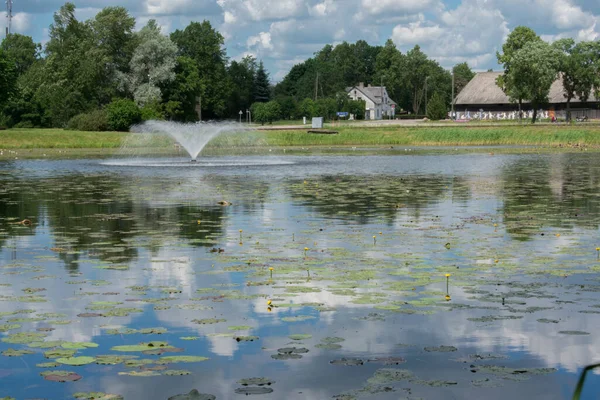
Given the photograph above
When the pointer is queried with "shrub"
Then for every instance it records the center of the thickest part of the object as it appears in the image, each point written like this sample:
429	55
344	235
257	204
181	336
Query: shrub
436	108
266	112
24	125
122	114
95	121
152	111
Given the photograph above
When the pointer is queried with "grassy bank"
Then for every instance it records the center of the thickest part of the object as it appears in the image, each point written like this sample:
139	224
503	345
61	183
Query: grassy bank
439	136
348	136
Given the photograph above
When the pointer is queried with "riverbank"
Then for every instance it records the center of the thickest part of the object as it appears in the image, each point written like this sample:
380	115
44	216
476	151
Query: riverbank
542	135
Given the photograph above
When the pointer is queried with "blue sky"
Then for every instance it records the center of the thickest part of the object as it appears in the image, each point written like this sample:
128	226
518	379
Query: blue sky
285	32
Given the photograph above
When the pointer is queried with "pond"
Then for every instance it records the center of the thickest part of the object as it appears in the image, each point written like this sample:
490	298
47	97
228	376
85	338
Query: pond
399	274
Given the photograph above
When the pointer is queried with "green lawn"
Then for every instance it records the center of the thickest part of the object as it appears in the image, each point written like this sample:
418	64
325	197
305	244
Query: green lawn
549	135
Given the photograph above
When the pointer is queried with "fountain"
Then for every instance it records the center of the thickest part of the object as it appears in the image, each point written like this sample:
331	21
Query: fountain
192	137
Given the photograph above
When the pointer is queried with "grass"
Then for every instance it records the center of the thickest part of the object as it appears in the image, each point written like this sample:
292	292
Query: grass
546	135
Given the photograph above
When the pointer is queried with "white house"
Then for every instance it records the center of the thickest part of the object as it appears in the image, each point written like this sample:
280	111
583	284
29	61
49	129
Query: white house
379	104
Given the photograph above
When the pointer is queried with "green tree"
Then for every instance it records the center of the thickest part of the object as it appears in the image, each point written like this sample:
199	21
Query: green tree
262	88
241	76
266	112
152	65
122	114
307	108
390	65
180	95
516	40
534	68
22	50
205	45
436	108
579	67
462	76
423	76
8	77
289	107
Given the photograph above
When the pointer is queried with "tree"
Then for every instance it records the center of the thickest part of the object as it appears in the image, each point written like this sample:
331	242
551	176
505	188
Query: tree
152	65
579	66
436	108
262	90
307	108
241	76
180	95
266	112
22	50
205	45
534	68
462	76
8	77
122	114
516	40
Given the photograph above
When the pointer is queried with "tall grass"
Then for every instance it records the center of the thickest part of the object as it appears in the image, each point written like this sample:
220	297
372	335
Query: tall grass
348	136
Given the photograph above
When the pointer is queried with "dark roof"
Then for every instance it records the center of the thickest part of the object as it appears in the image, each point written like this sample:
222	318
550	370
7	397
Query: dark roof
482	89
372	92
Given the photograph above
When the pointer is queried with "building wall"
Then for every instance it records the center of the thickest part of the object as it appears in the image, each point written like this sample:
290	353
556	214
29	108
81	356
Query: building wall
373	111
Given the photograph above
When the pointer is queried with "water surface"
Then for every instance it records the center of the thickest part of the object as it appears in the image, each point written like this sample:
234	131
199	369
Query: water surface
360	247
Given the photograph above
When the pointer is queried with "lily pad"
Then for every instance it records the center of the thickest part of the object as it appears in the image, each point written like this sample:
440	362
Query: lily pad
141	347
246	338
254	390
239	328
300	336
176	372
208	321
255	382
193	395
328	346
61	376
573	333
16	353
59	353
76	361
97	396
181	359
78	345
142	374
351	362
441	349
298	318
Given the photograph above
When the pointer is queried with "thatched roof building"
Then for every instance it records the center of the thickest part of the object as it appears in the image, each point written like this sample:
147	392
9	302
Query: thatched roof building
483	93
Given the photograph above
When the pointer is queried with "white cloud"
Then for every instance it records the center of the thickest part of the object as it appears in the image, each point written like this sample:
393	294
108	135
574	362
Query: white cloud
377	7
415	33
262	40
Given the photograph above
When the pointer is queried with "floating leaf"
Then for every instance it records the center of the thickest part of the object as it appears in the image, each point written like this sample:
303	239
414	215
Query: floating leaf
97	396
181	359
16	353
143	374
61	376
76	361
78	345
193	395
141	346
176	372
300	336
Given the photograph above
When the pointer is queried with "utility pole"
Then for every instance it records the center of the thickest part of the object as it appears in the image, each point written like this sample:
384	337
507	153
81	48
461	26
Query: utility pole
452	112
9	16
381	89
426	79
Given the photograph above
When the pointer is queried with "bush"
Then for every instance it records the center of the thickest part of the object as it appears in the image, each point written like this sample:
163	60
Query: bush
95	121
436	108
266	112
122	114
152	111
24	125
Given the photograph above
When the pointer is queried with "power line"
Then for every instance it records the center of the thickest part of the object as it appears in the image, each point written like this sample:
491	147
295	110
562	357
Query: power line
9	4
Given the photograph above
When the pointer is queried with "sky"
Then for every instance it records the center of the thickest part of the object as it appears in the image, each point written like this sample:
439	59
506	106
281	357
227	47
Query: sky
286	32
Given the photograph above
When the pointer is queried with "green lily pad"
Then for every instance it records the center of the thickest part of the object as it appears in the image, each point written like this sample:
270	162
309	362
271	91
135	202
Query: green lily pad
97	396
176	372
59	353
76	361
256	382
24	337
78	345
9	327
47	365
142	374
181	359
193	395
239	328
300	336
298	318
16	353
189	338
208	321
141	347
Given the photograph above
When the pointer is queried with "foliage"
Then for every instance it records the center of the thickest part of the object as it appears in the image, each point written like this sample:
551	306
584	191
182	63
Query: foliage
307	108
242	76
516	40
152	111
21	50
436	108
203	44
7	77
262	91
95	121
534	69
462	76
181	94
266	112
122	114
152	65
579	67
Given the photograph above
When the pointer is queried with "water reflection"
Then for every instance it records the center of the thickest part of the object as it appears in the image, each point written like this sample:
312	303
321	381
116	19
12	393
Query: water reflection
144	244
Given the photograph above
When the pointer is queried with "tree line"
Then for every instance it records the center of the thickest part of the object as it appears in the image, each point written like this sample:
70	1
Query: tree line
532	65
88	65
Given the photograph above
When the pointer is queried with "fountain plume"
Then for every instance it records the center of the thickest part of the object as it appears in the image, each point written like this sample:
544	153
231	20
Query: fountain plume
193	137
